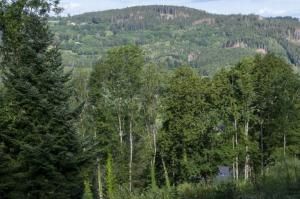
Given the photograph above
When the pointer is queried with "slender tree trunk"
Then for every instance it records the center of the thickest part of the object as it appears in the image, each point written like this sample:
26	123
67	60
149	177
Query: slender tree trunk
120	122
100	189
166	174
173	172
236	144
152	137
81	126
262	148
247	155
237	167
284	144
109	177
247	167
149	133
233	164
120	129
131	154
284	139
154	132
153	173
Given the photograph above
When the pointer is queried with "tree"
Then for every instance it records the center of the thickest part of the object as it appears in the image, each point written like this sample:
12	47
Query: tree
115	86
187	139
40	137
243	95
246	98
276	87
228	105
259	97
151	92
6	156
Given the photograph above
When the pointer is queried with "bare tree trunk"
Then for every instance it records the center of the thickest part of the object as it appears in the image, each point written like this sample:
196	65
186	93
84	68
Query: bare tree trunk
233	164
236	144
120	129
131	155
284	137
120	122
149	133
262	148
154	132
237	167
166	174
100	189
247	155
284	144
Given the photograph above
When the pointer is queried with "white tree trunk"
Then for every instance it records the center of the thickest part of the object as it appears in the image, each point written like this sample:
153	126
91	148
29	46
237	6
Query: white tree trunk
120	123
154	132
168	184
100	189
236	144
237	168
262	147
131	155
247	155
233	164
120	129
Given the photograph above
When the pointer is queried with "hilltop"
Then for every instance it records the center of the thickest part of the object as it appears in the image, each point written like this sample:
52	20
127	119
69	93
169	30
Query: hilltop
173	36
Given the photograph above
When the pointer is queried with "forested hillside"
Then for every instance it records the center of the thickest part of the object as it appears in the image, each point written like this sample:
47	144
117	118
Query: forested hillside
174	36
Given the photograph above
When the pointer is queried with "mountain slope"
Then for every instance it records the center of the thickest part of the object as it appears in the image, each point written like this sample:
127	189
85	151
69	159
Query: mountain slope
174	36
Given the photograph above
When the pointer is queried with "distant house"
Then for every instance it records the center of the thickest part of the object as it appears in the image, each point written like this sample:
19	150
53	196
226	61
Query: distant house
224	173
53	21
69	23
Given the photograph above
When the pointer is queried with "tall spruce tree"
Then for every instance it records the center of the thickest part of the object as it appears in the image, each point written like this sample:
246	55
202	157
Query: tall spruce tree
39	137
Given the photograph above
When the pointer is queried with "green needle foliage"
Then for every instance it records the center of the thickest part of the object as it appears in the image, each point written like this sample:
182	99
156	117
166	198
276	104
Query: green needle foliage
38	139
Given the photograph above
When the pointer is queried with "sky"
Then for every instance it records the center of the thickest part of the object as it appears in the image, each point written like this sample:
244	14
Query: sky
261	7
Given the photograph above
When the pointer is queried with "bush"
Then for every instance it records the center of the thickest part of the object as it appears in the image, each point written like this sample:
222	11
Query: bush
281	181
164	193
202	191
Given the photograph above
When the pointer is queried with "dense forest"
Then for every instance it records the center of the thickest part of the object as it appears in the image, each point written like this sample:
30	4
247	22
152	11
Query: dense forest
132	127
174	36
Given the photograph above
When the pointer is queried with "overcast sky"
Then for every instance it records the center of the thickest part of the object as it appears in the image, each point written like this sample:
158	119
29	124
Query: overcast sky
261	7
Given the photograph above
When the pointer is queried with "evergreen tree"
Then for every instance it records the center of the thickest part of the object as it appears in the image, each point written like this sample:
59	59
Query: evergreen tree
40	136
6	155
